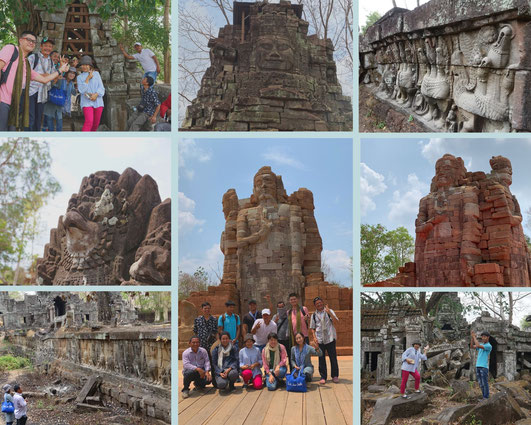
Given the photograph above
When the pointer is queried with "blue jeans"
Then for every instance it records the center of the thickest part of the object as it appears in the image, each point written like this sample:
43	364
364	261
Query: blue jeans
58	119
35	113
281	374
152	74
482	374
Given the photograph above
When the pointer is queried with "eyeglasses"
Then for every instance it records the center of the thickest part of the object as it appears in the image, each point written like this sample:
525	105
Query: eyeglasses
29	40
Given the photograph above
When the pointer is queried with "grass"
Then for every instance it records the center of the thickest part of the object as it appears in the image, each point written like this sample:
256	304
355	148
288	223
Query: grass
10	362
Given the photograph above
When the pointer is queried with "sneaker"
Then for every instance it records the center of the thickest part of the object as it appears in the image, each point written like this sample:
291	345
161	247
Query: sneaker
406	396
418	391
186	393
322	381
335	379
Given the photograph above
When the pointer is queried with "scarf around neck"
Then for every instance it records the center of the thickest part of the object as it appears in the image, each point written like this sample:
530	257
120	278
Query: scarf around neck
223	352
298	313
272	362
14	118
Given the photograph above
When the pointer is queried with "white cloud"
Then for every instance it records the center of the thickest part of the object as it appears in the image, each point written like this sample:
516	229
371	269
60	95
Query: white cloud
211	260
189	151
404	206
281	156
336	259
187	219
371	185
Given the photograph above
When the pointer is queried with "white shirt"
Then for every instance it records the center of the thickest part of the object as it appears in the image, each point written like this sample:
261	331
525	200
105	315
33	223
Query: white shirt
260	336
145	57
323	325
20	406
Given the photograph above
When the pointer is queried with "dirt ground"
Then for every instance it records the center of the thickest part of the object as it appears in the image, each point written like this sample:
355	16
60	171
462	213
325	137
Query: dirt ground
60	410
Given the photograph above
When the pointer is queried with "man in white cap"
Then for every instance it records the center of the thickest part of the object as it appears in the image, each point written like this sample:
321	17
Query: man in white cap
147	59
262	328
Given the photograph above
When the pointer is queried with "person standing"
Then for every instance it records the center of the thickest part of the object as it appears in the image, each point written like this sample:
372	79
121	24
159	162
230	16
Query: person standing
250	363
482	363
230	322
196	367
21	407
90	86
324	334
147	59
281	319
8	398
252	315
17	75
38	92
205	327
298	319
411	359
263	328
70	90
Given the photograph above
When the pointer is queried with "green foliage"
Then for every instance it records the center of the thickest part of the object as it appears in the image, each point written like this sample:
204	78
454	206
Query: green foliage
525	325
158	302
383	251
371	19
10	362
381	125
188	283
26	185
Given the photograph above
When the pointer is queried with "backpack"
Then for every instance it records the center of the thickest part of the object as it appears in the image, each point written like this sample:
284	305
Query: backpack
14	57
315	321
36	60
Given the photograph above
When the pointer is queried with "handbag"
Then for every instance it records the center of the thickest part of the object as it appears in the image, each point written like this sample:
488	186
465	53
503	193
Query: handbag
57	96
8	407
296	382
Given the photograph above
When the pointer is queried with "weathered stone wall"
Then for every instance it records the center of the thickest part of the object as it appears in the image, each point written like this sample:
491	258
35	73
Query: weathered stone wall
269	75
116	230
453	65
134	363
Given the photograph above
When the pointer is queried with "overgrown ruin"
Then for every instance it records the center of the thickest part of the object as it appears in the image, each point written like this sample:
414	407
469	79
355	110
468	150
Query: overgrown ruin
468	230
450	65
449	393
115	231
96	342
267	73
271	246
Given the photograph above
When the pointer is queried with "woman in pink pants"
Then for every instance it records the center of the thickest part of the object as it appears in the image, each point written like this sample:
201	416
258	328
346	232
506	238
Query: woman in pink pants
411	359
90	86
250	364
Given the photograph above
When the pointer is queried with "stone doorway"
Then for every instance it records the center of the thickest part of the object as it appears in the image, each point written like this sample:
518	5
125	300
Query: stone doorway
60	306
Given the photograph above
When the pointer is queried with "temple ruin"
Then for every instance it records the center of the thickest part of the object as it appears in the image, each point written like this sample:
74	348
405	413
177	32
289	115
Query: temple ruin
453	66
271	246
77	32
267	73
94	342
116	230
387	331
468	230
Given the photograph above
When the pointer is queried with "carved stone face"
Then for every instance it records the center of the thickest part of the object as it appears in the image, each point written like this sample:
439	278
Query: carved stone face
265	186
275	53
152	265
502	168
448	171
230	202
82	234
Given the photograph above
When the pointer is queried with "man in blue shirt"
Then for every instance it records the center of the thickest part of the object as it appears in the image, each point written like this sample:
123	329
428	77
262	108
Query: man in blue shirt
482	363
230	322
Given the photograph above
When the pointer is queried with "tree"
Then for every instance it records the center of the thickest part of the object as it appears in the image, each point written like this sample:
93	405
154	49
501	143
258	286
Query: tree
26	185
158	302
199	21
501	305
371	19
383	251
188	283
427	303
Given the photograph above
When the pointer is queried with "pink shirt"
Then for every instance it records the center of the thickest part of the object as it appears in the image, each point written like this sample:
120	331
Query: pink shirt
293	318
6	90
283	358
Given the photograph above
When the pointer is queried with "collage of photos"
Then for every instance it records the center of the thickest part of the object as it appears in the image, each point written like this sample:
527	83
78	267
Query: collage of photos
352	222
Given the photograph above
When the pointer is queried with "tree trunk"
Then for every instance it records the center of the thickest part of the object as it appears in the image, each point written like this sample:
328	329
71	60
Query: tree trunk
167	53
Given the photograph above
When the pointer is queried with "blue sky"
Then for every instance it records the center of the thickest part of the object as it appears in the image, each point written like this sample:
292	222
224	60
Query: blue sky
396	173
74	159
209	167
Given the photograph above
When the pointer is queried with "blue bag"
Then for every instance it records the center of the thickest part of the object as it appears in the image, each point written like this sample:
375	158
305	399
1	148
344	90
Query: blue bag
8	407
296	382
57	96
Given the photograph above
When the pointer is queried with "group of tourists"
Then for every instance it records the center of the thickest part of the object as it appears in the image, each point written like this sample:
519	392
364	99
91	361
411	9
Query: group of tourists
14	405
271	345
37	87
412	357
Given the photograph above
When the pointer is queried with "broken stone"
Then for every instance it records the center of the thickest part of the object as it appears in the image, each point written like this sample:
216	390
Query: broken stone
387	409
500	408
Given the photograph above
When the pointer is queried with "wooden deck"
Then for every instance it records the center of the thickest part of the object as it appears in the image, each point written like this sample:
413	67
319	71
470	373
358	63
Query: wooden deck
329	404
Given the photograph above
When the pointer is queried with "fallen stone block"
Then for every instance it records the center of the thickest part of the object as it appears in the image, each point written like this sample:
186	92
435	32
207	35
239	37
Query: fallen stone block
452	414
88	408
89	388
499	409
387	409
